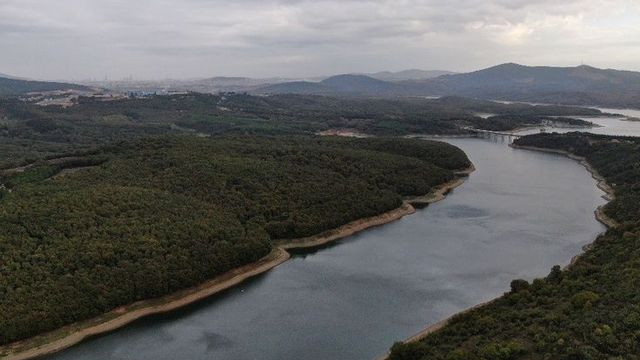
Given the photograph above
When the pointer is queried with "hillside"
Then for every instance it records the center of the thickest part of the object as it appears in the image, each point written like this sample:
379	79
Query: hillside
359	84
83	235
581	85
11	77
347	84
29	132
13	86
296	87
412	74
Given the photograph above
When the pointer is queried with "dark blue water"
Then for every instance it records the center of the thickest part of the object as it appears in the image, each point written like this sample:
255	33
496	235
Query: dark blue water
519	214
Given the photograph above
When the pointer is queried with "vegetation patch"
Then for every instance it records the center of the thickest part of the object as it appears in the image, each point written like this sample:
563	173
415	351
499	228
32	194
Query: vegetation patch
157	215
29	132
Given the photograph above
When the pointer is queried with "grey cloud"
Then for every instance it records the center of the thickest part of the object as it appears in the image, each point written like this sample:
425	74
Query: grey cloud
159	38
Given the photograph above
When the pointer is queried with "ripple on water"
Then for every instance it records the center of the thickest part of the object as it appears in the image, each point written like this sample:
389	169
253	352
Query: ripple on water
465	212
388	282
215	341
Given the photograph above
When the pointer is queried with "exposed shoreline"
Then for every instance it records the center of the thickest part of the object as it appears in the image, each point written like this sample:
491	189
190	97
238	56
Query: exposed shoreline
598	214
75	333
407	208
70	335
601	182
436	327
348	229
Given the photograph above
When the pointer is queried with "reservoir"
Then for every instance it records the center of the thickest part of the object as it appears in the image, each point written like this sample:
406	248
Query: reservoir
519	214
626	125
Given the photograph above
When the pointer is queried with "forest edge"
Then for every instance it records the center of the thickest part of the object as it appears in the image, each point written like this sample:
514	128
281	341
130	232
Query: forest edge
75	333
598	214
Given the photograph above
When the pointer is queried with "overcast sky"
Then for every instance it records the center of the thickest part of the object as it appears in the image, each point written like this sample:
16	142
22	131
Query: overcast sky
80	39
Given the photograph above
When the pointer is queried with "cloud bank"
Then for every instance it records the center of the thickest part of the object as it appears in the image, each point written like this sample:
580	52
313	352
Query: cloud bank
77	39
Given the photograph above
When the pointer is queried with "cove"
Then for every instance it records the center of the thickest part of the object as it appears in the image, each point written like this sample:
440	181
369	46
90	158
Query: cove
519	214
607	125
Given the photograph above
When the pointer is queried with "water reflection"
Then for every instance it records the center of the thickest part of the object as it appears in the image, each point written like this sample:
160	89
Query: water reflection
519	214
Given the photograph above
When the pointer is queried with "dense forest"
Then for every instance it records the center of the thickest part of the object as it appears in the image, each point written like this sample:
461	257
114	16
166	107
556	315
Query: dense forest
590	310
140	218
29	132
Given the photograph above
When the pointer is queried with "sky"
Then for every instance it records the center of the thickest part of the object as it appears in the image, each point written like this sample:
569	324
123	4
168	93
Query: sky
157	39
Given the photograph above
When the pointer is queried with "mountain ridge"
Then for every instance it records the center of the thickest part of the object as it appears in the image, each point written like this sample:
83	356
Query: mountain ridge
579	85
409	74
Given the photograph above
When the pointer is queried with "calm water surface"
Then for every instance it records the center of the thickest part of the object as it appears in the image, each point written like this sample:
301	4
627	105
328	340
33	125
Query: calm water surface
609	125
519	214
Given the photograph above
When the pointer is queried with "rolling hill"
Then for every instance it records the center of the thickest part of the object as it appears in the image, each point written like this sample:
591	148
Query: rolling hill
412	74
359	84
581	85
296	87
339	84
14	86
3	75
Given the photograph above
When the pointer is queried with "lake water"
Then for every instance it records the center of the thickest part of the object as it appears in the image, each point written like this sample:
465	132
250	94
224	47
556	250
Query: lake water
609	125
519	214
634	113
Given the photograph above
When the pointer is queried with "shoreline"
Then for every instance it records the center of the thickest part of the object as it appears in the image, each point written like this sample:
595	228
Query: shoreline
599	215
72	334
601	182
408	207
75	333
435	196
630	119
347	229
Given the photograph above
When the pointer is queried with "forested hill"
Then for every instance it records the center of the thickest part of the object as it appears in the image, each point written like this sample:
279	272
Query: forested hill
29	132
14	86
590	311
84	234
349	84
581	85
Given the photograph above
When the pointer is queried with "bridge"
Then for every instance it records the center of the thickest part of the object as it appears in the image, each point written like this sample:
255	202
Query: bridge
494	135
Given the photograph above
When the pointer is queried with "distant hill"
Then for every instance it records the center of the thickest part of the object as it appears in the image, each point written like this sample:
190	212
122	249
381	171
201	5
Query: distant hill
237	81
11	77
296	87
581	85
13	86
413	74
358	84
339	84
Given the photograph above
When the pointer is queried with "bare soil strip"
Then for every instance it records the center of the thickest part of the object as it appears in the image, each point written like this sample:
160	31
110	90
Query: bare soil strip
599	215
70	335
